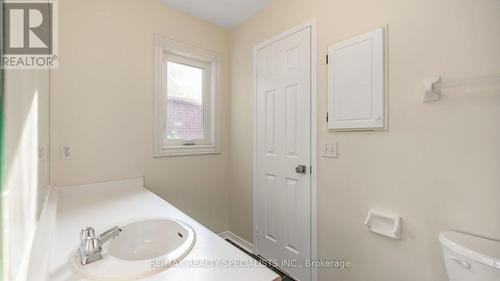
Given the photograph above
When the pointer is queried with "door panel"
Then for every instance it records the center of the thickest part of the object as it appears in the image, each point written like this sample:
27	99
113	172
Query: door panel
271	210
270	116
291	120
284	142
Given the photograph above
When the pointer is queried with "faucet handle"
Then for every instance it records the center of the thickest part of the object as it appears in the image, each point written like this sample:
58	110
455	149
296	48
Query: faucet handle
91	245
87	232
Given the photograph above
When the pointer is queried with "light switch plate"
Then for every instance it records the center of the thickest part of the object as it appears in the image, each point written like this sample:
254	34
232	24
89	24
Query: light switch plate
329	150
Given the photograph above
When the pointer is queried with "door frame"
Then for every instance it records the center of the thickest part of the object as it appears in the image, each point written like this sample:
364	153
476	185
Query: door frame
313	213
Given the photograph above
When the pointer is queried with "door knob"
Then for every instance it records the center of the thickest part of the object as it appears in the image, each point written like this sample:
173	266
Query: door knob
301	169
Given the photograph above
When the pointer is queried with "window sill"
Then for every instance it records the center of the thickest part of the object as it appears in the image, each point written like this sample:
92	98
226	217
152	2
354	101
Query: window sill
170	151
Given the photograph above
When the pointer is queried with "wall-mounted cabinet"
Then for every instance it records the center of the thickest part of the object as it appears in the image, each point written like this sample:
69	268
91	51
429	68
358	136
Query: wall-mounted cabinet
356	83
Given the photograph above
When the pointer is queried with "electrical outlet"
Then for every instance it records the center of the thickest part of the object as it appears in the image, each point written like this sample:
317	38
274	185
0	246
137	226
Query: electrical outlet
329	150
42	153
66	152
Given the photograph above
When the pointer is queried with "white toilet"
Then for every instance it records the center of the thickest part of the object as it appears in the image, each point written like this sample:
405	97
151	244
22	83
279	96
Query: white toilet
470	258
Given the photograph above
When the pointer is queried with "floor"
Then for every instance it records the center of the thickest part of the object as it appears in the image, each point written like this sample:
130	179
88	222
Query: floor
284	276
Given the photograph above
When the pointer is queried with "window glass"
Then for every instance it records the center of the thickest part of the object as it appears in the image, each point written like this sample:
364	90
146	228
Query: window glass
184	102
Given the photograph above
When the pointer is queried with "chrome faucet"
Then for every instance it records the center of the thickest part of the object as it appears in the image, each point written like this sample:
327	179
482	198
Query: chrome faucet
91	245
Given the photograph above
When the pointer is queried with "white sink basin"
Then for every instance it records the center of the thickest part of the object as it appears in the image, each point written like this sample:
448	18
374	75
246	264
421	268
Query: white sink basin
143	248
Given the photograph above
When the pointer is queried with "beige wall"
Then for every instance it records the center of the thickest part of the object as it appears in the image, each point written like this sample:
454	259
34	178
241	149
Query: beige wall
437	165
103	103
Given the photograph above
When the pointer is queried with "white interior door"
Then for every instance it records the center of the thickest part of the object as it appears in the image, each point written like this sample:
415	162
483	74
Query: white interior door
283	152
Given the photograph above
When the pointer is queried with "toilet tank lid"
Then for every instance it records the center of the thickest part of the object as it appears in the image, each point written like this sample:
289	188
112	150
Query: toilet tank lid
482	250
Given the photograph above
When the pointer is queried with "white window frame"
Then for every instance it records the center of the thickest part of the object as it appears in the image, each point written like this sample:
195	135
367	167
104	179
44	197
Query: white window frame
170	50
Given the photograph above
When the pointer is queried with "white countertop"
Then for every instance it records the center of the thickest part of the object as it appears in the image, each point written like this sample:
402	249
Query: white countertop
104	205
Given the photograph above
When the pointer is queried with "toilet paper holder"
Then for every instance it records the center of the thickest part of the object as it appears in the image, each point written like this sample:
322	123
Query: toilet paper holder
384	223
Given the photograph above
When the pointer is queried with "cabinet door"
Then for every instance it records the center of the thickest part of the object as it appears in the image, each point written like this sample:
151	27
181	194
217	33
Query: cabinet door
356	83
